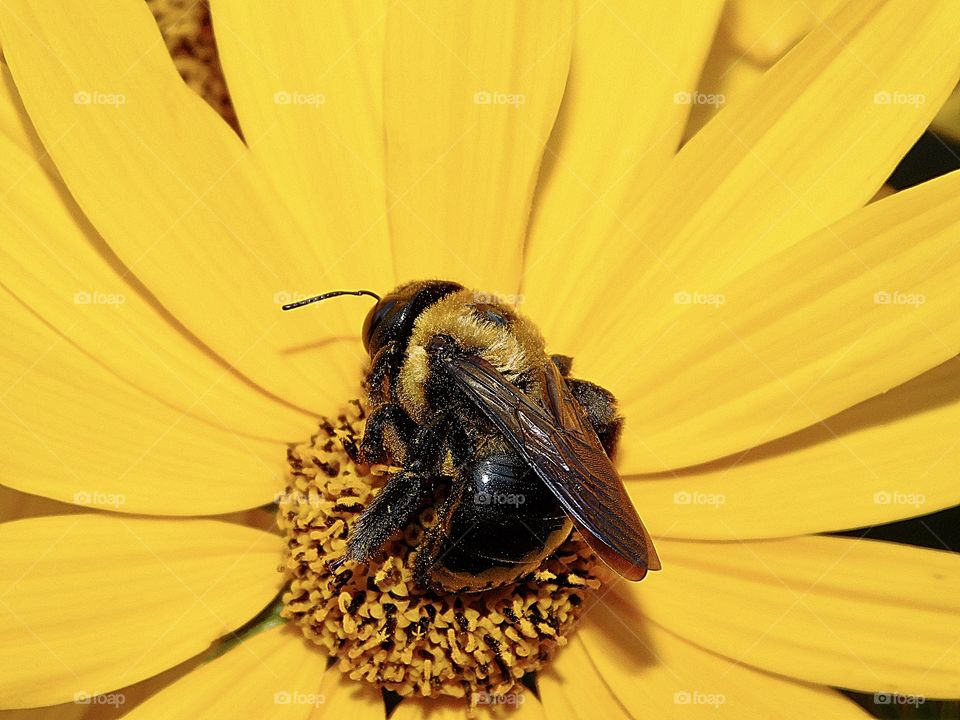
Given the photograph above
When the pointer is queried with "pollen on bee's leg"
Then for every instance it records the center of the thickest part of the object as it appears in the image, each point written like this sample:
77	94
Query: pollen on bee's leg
377	623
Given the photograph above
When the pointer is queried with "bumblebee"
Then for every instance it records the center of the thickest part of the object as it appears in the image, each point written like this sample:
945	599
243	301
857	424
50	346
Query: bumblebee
465	399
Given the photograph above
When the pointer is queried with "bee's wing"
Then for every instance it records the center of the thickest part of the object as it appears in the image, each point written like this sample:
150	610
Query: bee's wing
560	444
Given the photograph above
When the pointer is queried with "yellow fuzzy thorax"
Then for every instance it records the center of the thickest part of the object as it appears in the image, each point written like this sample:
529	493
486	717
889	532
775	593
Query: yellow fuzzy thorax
511	350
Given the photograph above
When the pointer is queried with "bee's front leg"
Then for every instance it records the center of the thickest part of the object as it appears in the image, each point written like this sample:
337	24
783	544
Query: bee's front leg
386	435
384	365
405	493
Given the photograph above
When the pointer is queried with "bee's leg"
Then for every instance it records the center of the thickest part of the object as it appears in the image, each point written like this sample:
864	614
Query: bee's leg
430	551
406	438
404	495
564	363
386	363
601	407
392	509
377	445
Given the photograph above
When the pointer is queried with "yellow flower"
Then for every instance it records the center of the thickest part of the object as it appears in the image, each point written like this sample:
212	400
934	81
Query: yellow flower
785	356
947	122
750	37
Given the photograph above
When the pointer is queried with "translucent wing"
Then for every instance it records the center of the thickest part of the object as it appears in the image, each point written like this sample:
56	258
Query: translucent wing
559	443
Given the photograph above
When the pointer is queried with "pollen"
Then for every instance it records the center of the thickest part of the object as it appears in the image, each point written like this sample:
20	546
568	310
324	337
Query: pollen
373	620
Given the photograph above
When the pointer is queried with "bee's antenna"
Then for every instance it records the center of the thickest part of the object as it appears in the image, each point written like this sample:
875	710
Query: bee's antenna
334	293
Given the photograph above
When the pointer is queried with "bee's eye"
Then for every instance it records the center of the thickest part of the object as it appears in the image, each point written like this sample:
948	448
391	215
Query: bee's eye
492	314
383	310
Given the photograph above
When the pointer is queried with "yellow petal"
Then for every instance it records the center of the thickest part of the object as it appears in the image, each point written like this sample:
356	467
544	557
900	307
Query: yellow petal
621	666
471	91
763	30
623	111
74	432
947	121
113	704
727	74
572	683
886	190
521	705
809	143
274	674
869	616
848	471
846	314
306	80
67	711
177	195
346	698
56	263
15	505
752	36
94	602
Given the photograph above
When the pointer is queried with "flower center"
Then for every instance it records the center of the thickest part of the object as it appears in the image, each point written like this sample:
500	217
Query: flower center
376	622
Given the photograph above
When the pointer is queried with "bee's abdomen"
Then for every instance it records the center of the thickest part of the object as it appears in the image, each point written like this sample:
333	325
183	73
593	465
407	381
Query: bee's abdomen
501	526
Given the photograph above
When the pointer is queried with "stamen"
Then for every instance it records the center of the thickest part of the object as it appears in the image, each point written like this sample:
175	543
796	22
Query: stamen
374	620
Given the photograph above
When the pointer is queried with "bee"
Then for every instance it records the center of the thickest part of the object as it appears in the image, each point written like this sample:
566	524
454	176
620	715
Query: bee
464	398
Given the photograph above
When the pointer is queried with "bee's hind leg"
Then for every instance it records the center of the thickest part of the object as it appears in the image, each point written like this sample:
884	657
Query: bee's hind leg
564	363
600	404
601	407
392	509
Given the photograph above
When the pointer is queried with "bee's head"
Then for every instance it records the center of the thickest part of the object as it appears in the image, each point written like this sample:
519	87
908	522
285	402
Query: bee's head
392	318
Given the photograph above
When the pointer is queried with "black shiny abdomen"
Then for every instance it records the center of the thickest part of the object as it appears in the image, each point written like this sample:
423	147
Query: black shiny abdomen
500	524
